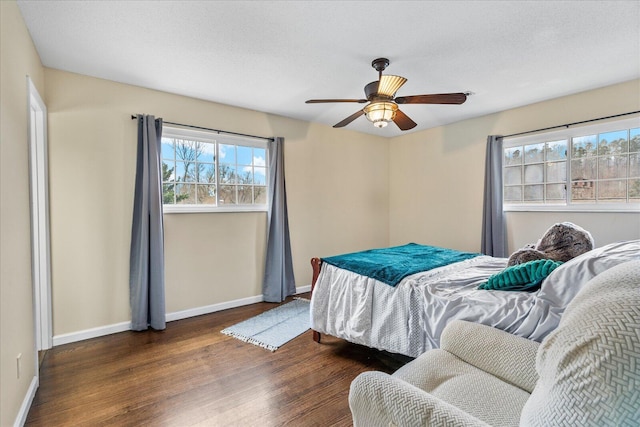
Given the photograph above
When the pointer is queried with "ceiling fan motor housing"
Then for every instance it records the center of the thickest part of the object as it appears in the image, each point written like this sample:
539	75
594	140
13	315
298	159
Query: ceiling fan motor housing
371	91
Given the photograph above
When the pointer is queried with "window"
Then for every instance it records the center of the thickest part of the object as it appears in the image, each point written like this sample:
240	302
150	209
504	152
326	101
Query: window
587	168
204	171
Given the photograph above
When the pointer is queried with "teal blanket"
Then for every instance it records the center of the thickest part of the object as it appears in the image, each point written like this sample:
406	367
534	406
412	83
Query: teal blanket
391	265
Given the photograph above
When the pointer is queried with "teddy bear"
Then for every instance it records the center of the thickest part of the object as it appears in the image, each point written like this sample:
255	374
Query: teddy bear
562	242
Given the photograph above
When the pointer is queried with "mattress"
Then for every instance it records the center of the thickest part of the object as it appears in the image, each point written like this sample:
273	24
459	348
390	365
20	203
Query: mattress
409	318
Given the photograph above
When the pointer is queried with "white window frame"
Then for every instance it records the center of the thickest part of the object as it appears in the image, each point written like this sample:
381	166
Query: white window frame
567	134
215	138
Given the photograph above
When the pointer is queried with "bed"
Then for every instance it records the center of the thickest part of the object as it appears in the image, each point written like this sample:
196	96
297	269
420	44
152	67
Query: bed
408	317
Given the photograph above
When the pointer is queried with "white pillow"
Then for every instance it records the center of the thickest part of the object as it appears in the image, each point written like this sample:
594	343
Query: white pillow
562	285
566	281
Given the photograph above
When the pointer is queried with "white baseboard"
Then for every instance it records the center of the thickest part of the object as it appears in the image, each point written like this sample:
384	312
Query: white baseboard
303	289
176	315
199	311
91	333
21	418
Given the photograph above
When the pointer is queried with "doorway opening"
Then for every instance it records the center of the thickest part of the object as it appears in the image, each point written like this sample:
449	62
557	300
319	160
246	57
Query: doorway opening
40	233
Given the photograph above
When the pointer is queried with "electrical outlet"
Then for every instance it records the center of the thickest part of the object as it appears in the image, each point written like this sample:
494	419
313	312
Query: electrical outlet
18	364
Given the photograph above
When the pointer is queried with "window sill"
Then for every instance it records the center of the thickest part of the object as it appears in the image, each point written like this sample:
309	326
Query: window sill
178	209
628	208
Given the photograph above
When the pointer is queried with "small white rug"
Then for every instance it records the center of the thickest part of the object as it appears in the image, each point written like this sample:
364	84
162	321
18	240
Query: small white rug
275	327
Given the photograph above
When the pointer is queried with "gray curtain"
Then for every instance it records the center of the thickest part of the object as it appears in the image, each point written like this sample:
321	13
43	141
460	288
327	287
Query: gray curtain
278	281
493	222
146	278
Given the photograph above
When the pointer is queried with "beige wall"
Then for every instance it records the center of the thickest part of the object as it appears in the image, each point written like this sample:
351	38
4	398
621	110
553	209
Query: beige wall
437	176
18	58
528	227
337	201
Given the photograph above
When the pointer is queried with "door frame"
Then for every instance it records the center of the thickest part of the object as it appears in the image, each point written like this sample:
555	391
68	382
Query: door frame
40	230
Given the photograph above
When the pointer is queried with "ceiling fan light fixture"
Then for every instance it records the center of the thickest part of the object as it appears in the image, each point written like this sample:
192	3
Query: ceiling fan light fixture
381	113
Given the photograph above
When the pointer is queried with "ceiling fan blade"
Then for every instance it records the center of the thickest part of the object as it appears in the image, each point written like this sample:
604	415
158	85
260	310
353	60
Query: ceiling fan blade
441	98
389	85
321	101
349	119
403	121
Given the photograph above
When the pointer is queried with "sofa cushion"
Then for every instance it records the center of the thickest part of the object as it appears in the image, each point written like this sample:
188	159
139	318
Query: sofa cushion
589	367
466	387
377	399
499	353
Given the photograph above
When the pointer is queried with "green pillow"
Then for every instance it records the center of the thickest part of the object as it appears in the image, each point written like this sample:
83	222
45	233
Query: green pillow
521	277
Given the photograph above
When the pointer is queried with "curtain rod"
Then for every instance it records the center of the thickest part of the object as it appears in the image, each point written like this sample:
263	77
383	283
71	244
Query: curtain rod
571	124
134	116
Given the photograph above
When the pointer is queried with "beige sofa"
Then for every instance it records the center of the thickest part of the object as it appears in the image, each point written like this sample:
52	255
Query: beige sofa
586	372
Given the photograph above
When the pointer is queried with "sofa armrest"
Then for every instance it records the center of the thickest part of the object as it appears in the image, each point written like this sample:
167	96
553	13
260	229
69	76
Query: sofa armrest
379	399
506	356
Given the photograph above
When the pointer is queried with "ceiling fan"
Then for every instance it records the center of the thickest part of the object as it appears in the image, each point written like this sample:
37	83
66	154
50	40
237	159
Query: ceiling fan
383	106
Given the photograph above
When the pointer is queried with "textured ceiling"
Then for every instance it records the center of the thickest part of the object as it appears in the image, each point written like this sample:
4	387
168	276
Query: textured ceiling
271	56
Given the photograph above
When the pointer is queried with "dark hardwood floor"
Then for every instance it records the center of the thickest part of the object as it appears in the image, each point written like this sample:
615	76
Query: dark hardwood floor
192	375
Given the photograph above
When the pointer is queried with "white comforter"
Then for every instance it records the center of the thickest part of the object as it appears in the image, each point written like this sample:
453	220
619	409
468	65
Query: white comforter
409	318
